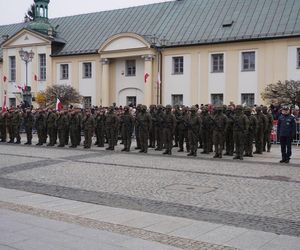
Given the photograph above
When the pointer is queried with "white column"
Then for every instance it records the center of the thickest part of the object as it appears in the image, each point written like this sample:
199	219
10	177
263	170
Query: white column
148	85
105	83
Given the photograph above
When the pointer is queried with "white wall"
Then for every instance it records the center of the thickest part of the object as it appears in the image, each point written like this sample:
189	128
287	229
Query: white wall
125	43
60	81
87	86
41	85
174	84
217	81
293	71
248	80
129	85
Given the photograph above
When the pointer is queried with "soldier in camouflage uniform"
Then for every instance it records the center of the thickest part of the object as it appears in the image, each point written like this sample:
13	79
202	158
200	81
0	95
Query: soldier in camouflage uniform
137	127
240	128
158	123
80	118
100	127
250	133
144	123
152	138
127	125
73	129
51	128
3	134
182	121
177	114
16	125
111	127
268	130
9	125
193	124
219	130
61	125
169	129
206	130
229	143
28	123
88	125
261	126
67	115
40	126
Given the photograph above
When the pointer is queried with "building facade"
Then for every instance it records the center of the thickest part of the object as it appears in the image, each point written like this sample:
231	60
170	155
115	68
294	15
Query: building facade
177	52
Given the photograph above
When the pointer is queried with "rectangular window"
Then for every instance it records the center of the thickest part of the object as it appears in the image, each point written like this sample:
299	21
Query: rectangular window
248	61
64	71
178	65
42	67
87	102
12	102
248	99
12	68
298	58
177	100
217	99
131	101
87	70
217	61
130	68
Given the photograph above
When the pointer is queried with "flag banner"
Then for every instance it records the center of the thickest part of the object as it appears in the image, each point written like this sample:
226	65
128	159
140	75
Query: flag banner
4	108
146	76
158	79
4	78
58	105
35	77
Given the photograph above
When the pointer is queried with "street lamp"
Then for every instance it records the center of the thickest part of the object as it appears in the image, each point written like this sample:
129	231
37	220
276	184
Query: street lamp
158	45
26	57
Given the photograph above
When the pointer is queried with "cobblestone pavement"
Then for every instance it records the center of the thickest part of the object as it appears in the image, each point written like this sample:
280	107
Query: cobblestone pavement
258	194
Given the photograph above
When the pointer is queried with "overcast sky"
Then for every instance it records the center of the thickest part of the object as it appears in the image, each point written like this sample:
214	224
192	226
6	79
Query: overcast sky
12	11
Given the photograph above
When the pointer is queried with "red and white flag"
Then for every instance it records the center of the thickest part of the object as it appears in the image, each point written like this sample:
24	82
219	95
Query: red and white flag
4	78
35	77
58	105
4	108
146	76
158	79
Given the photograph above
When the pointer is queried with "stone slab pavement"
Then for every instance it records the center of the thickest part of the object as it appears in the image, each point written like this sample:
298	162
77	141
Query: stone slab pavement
30	221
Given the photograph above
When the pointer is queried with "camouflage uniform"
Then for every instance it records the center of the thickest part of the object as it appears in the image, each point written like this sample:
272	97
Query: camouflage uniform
88	125
28	123
3	134
182	122
152	137
144	123
40	126
16	124
111	126
61	124
268	130
9	125
177	114
206	131
193	124
250	133
127	125
73	129
158	123
137	127
51	128
219	130
229	143
169	129
240	128
100	127
261	126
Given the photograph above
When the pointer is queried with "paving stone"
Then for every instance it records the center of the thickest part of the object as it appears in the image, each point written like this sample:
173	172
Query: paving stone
283	242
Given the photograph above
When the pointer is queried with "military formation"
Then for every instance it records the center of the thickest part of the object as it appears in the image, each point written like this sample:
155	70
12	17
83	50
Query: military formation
225	130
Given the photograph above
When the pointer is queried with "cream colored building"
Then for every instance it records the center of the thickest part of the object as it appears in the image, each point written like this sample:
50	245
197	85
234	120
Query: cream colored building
188	56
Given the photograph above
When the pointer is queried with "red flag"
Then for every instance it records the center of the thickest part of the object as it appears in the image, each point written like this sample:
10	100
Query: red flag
146	77
35	77
4	108
4	78
58	105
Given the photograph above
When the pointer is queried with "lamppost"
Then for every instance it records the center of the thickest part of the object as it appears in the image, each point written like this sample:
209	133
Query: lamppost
26	57
158	45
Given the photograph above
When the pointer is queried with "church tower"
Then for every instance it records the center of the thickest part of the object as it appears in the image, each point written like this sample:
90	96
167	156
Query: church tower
41	9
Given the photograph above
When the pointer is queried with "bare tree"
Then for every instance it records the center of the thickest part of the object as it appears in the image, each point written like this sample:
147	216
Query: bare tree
287	92
65	93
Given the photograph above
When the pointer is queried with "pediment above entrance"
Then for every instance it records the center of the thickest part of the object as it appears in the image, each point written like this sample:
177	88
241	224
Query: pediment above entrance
124	41
25	38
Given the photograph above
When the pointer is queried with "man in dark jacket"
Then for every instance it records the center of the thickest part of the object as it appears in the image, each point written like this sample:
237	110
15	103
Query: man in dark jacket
286	130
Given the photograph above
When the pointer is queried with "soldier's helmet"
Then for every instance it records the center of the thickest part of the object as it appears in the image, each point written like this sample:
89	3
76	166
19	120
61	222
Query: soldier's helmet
126	108
248	110
239	107
159	106
144	107
264	108
193	109
258	109
219	108
169	107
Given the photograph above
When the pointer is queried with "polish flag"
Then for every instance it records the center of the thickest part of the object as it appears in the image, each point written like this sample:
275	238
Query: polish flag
158	79
35	77
146	76
4	78
4	108
58	105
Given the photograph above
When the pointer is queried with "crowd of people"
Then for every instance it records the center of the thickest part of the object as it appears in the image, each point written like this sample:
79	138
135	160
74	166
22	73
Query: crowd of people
225	130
